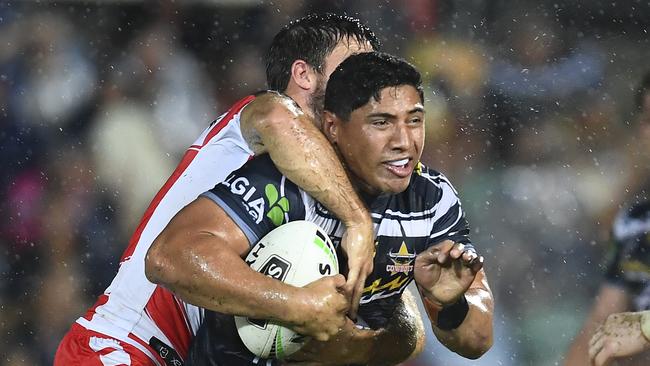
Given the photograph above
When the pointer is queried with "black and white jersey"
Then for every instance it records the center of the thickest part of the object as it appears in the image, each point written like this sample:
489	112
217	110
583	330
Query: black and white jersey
629	262
259	198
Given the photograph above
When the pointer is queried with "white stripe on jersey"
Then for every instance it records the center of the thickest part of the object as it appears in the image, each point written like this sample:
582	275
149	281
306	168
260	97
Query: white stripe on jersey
114	358
406	215
332	227
460	214
432	179
195	316
626	227
392	226
283	181
98	327
412	228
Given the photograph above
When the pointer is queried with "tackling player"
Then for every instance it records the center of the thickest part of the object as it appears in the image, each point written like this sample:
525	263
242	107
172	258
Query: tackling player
375	120
137	322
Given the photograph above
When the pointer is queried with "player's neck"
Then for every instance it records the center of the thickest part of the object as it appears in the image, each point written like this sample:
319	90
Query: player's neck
301	97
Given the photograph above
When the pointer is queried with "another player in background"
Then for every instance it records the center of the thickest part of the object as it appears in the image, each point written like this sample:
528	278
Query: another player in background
622	335
135	321
627	281
375	120
627	288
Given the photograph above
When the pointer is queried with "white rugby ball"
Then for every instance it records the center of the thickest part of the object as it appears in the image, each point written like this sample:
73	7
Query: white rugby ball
296	253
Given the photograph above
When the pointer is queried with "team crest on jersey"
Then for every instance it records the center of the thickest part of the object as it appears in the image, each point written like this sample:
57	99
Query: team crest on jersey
401	260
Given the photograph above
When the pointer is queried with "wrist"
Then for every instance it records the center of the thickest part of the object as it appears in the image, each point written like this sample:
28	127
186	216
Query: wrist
356	214
299	303
452	316
360	219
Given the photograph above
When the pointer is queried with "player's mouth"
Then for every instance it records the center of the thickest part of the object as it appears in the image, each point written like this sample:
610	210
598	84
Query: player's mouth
400	167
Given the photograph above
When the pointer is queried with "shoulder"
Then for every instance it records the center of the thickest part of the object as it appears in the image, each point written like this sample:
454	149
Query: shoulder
266	103
258	197
431	185
260	177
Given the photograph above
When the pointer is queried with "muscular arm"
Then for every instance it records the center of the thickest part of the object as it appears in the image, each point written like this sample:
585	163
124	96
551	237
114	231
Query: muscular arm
474	336
610	299
208	271
274	124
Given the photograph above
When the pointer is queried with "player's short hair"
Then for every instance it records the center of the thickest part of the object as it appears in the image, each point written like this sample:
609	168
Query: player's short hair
363	76
312	39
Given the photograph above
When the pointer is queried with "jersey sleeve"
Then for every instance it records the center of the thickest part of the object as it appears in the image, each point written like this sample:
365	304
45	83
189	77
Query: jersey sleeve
627	258
258	198
613	264
449	220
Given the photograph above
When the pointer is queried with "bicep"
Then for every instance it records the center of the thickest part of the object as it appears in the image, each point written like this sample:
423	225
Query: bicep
204	218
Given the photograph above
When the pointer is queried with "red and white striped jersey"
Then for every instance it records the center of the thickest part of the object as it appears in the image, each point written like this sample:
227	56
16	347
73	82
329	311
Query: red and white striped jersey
134	310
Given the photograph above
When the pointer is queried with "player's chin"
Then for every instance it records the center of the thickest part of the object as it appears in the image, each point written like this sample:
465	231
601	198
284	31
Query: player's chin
396	185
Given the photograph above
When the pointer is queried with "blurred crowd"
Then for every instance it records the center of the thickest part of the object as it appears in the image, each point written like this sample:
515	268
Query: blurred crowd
531	112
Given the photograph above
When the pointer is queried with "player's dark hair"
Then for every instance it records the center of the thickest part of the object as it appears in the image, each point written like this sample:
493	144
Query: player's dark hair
311	39
363	76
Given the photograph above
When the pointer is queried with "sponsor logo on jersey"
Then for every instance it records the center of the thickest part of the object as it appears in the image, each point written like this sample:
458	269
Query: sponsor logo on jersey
254	201
242	187
401	260
278	206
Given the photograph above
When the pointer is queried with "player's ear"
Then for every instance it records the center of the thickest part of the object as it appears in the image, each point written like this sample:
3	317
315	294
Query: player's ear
303	74
330	126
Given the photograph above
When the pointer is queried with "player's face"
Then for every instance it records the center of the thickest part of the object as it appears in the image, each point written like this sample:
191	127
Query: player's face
382	141
344	49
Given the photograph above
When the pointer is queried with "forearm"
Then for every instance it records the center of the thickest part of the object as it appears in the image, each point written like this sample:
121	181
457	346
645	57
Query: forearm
474	336
274	124
215	278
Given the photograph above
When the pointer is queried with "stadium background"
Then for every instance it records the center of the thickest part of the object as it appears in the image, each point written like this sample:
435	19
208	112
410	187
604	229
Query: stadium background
530	111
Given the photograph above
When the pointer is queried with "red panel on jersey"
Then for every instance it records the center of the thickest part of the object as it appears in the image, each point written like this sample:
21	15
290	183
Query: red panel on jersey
234	110
103	298
185	162
170	318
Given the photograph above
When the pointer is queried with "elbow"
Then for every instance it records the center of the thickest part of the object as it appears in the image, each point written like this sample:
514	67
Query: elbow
156	263
275	113
480	342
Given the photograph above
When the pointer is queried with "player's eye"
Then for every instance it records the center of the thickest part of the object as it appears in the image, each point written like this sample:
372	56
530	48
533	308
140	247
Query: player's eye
379	122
